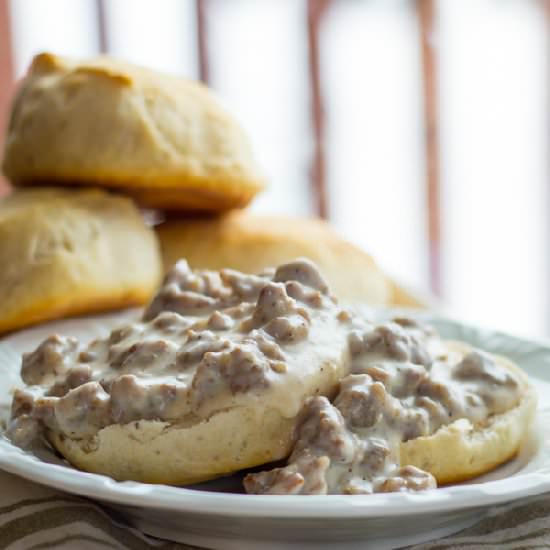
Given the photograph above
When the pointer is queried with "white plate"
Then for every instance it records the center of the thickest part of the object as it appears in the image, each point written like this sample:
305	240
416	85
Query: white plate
212	516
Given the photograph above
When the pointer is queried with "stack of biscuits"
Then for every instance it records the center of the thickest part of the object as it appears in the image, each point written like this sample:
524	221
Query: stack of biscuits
91	148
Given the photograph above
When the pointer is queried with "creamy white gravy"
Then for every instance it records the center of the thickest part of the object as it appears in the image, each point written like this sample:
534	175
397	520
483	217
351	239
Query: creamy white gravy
215	340
403	385
208	341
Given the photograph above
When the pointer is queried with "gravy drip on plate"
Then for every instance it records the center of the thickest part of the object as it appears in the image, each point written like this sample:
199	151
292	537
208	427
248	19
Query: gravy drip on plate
210	341
402	386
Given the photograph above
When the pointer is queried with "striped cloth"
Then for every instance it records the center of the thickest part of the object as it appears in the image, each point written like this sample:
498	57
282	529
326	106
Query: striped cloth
35	517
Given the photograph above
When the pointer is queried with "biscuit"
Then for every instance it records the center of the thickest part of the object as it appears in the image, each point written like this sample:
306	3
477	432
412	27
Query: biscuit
72	252
227	371
166	141
462	450
256	433
451	425
250	243
223	410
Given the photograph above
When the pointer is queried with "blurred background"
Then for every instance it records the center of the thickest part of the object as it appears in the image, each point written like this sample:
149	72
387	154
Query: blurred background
419	128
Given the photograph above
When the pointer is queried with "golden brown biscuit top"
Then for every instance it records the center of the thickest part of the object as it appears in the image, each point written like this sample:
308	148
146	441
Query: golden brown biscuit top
164	140
51	197
117	70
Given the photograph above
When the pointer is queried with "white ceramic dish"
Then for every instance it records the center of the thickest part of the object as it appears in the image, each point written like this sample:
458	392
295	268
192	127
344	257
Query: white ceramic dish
211	515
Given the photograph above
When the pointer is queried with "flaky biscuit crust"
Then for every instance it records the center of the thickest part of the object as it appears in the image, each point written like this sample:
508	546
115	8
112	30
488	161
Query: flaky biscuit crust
68	253
164	140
